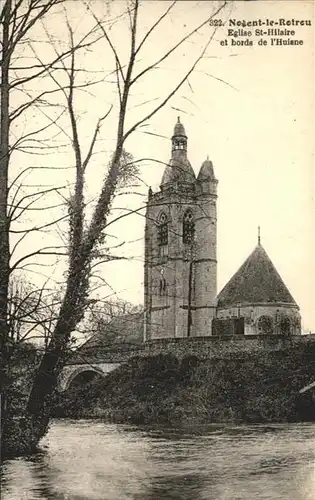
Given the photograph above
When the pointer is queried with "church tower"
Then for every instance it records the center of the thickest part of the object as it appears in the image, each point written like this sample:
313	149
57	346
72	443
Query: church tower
180	274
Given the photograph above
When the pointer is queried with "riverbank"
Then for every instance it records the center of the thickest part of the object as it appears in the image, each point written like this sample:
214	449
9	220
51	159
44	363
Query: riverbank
163	390
19	434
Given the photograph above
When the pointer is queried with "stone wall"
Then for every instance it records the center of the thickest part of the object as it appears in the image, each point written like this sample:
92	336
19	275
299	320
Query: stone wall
217	347
253	312
111	354
202	347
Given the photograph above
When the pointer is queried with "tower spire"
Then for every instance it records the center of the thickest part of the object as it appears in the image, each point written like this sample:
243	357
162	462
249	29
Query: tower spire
179	139
179	169
258	235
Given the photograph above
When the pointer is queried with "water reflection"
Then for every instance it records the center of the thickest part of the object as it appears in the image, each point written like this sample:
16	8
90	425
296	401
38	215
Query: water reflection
181	487
83	460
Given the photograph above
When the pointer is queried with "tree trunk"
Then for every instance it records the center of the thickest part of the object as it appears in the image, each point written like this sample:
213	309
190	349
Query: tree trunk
55	356
4	222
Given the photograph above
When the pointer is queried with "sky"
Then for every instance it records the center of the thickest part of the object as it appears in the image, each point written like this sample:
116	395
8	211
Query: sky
250	108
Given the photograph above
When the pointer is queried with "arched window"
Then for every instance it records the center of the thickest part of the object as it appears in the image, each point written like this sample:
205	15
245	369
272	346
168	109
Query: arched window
265	324
188	227
285	326
163	230
162	286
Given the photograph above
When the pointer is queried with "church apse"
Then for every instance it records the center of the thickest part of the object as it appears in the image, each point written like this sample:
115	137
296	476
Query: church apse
258	294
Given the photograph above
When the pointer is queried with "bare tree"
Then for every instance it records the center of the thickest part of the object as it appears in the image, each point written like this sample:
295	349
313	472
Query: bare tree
86	235
32	313
107	319
21	93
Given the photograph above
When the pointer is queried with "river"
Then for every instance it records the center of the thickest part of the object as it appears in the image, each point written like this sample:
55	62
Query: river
92	460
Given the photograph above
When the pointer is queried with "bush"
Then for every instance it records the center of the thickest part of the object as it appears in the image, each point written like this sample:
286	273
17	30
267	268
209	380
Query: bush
159	389
20	436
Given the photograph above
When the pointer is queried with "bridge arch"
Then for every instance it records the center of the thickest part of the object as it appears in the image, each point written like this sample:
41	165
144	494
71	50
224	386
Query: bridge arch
84	373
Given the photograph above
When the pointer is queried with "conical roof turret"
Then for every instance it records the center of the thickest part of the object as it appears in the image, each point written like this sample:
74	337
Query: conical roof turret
179	129
206	171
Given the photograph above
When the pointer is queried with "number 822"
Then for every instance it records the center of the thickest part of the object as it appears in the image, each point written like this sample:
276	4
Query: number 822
216	22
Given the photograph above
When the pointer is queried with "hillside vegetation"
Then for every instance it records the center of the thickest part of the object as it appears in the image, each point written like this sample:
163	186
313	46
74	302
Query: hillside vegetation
161	389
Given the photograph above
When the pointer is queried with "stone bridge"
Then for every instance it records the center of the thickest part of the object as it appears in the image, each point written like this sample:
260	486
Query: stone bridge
85	365
83	372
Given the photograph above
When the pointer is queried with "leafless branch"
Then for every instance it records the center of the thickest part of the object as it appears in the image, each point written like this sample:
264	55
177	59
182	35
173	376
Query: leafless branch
39	228
41	251
38	195
155	25
176	46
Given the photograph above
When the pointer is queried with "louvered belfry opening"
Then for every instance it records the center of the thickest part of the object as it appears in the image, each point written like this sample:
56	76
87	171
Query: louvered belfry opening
163	230
188	227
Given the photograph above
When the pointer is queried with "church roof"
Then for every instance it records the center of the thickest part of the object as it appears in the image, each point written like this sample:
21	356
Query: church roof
206	171
256	281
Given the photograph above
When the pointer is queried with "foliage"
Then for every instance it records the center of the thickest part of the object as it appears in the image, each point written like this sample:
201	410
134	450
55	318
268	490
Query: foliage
23	362
21	436
160	389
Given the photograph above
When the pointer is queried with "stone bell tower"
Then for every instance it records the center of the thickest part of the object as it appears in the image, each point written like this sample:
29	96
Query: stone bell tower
180	272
